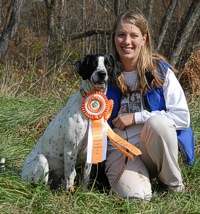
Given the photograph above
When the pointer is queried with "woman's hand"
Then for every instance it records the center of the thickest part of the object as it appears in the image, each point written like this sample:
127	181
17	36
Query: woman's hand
122	121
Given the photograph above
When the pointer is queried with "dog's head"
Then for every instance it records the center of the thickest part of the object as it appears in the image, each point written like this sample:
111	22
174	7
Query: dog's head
99	69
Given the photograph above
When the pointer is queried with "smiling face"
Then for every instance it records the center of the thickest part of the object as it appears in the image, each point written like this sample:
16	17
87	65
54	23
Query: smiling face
129	41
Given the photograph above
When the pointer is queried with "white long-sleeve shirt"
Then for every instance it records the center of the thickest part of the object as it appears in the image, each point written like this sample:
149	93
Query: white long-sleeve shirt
176	104
176	109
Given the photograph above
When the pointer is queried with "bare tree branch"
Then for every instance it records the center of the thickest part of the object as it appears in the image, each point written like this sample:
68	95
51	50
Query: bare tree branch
127	4
11	25
185	30
89	33
117	7
50	5
105	4
165	23
149	9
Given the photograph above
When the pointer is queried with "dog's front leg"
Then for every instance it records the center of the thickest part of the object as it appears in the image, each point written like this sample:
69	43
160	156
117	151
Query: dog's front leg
86	174
69	167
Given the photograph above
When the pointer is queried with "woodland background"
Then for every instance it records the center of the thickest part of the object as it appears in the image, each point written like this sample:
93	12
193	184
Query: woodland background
41	39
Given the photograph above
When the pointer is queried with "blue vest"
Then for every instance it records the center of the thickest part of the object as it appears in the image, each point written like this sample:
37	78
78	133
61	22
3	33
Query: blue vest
154	100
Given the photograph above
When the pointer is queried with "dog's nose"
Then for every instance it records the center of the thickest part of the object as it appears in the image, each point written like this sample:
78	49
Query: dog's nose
101	74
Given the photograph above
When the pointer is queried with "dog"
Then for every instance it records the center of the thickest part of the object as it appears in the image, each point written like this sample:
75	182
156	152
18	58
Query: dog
63	146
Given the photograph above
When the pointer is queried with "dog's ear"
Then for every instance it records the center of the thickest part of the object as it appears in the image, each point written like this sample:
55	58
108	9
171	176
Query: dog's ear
81	66
116	70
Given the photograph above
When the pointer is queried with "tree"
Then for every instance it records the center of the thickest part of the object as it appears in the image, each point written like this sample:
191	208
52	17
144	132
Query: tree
13	17
117	7
165	23
50	5
185	31
85	26
148	11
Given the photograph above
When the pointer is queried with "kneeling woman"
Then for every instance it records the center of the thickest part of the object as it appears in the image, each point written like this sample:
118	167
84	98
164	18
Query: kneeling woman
154	115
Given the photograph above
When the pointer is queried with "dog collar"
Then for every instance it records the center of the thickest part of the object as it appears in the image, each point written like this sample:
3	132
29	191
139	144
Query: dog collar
83	93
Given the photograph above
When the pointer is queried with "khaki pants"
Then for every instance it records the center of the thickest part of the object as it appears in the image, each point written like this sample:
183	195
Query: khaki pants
159	146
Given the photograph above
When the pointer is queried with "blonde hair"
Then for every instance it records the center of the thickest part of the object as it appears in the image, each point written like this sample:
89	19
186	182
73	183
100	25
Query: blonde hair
148	57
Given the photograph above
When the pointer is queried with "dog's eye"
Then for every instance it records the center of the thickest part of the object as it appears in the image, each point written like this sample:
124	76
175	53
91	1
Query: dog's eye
93	64
108	64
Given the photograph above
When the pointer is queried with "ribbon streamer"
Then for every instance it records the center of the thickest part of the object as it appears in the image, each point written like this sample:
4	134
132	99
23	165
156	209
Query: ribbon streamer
98	108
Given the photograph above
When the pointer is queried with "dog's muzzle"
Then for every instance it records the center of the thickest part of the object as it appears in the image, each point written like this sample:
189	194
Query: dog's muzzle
99	79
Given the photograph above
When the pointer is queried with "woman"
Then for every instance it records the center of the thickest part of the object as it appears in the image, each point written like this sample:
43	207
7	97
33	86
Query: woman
155	119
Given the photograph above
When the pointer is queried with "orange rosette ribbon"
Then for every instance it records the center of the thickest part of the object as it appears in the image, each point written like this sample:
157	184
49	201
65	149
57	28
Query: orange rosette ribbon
98	108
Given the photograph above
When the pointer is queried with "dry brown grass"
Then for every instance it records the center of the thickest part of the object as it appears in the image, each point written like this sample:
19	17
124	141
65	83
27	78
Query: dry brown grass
190	77
61	80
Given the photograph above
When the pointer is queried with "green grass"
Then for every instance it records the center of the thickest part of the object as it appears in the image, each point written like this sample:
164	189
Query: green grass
22	122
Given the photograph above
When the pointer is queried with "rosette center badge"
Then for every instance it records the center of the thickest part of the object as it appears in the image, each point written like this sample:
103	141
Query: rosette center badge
95	105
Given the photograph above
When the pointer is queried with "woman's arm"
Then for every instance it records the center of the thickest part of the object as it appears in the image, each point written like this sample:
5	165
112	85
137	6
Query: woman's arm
175	101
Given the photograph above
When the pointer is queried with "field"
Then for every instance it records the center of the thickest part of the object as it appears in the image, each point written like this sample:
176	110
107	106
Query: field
23	120
37	77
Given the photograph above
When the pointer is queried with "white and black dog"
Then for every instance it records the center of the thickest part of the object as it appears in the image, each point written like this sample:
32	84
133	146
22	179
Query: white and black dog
64	143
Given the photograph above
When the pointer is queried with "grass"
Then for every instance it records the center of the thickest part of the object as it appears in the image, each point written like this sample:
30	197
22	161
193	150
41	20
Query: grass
22	122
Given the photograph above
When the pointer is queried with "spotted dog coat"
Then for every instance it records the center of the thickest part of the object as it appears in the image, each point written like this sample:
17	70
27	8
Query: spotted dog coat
64	143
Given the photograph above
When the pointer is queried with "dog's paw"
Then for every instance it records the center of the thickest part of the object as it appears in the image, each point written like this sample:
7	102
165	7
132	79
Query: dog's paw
72	190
